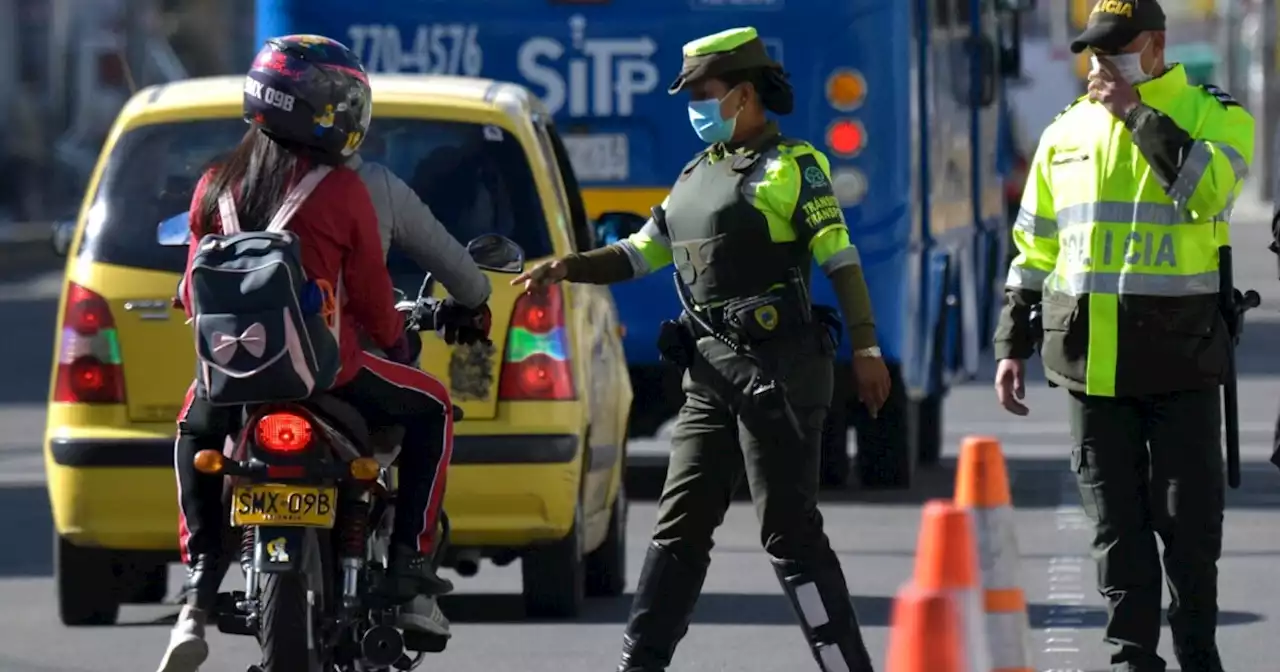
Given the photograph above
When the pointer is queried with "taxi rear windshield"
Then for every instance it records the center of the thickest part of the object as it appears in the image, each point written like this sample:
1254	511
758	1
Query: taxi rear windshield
475	178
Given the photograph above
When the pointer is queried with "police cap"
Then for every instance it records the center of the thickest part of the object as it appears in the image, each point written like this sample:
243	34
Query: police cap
724	52
1115	23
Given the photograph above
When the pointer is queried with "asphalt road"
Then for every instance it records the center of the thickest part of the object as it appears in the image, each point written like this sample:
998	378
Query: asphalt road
742	622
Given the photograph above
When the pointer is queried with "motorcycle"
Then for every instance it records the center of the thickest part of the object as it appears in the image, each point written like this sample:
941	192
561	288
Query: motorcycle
313	497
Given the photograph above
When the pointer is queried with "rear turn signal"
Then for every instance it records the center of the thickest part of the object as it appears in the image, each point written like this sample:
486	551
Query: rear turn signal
88	369
365	468
536	366
209	462
284	432
846	138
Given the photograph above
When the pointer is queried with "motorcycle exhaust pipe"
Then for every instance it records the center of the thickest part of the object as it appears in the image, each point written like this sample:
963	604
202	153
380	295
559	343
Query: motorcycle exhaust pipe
382	646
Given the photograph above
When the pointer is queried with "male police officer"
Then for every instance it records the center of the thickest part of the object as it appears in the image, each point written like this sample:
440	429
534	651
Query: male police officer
1126	205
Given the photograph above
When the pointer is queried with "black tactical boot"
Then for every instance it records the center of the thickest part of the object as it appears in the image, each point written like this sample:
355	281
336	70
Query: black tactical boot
661	611
822	604
411	574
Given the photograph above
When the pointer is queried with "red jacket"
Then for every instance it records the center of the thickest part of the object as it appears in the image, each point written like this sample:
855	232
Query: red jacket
339	232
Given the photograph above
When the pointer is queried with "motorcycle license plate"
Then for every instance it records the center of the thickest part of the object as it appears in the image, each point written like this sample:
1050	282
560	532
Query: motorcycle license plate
283	505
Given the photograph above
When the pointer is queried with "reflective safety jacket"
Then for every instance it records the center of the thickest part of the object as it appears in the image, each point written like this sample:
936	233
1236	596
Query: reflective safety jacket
1118	238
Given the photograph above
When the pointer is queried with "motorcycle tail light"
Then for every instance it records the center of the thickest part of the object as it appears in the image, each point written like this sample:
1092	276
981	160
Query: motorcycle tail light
283	432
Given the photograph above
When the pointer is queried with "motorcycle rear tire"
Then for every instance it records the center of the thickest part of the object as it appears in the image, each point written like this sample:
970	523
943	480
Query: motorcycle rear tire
282	633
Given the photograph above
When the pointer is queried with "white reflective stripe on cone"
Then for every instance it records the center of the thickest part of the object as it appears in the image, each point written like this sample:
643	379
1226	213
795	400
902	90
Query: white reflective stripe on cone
997	547
975	629
1007	635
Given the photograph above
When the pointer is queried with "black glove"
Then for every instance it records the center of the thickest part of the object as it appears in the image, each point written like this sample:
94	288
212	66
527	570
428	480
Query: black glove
405	350
458	324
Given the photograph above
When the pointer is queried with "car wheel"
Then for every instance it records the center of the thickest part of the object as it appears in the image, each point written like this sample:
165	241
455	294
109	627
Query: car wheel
148	582
87	584
554	575
606	570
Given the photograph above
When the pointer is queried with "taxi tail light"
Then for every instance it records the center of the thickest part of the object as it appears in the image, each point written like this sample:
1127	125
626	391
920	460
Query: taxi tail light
88	367
536	363
283	432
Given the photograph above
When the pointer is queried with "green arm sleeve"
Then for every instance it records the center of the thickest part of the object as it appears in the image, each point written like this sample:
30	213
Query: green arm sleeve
1035	234
796	197
643	252
1203	173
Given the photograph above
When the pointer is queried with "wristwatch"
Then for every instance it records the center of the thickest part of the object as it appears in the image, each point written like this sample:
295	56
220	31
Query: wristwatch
873	351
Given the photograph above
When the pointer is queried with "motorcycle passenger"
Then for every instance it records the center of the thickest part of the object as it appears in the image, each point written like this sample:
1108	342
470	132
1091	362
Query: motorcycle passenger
409	225
316	111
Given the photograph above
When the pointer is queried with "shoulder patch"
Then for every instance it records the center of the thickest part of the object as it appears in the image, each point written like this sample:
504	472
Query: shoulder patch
1072	104
1220	95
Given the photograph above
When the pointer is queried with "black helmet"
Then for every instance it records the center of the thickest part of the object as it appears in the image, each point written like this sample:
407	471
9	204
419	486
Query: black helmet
309	90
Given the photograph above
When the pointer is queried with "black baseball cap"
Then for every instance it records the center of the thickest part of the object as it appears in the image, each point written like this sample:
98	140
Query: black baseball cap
1115	23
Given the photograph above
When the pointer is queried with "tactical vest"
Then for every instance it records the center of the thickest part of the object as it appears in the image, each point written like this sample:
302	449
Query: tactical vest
720	242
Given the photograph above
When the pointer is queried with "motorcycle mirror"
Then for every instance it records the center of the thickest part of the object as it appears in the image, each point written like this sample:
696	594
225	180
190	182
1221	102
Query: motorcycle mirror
496	253
175	231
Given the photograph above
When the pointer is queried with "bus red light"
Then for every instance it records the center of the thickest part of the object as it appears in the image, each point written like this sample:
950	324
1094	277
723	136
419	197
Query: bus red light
846	138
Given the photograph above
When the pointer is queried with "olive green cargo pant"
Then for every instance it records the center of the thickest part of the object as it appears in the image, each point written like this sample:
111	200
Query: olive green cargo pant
716	442
1152	466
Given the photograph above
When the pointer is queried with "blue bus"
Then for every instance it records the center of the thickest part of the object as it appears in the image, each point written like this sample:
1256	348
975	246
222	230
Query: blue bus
904	98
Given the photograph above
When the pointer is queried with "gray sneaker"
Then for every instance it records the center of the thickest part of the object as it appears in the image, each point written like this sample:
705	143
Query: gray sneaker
423	614
187	648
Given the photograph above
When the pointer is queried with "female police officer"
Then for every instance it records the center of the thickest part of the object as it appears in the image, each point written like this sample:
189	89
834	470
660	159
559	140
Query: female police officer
740	224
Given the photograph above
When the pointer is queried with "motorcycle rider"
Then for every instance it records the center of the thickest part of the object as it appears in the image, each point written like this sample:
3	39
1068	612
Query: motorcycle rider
318	112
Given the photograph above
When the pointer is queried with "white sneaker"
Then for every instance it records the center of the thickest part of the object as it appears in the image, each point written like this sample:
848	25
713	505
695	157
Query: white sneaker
187	648
423	615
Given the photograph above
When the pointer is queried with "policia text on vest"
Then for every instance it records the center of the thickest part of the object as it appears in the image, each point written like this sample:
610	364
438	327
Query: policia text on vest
1125	209
743	223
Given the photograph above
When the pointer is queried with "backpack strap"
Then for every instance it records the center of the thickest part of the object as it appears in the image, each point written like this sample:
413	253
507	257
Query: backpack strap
227	213
296	197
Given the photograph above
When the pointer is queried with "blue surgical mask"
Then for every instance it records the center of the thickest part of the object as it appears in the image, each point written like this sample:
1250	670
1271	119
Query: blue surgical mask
704	116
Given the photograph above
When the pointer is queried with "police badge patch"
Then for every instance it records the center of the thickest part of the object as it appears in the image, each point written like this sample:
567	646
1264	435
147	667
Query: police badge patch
814	177
766	317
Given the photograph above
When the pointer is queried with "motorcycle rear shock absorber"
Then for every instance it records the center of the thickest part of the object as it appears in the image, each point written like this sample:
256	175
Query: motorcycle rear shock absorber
353	534
248	539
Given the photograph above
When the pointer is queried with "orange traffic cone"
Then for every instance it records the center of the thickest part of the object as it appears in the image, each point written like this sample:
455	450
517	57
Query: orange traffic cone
925	633
982	489
947	560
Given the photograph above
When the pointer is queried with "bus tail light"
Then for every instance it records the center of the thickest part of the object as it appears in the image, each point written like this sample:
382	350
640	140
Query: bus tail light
846	89
849	186
846	138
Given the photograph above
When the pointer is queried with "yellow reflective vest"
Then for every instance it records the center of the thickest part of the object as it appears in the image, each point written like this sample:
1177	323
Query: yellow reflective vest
1118	238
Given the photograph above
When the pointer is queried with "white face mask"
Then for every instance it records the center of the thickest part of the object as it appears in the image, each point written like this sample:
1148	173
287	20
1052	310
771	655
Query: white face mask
1128	65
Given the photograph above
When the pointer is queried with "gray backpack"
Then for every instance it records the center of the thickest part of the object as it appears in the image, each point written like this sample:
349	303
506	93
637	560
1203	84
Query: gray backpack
264	332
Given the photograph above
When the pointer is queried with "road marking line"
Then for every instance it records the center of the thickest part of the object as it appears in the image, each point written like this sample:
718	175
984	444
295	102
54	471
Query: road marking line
1061	634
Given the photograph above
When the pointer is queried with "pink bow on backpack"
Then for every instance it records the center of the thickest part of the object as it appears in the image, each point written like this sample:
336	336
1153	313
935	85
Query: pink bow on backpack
254	340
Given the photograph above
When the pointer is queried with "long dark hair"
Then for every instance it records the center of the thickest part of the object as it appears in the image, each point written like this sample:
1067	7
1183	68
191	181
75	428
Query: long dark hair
263	168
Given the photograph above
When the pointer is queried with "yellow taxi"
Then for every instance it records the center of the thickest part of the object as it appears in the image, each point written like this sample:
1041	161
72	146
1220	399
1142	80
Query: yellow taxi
538	460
